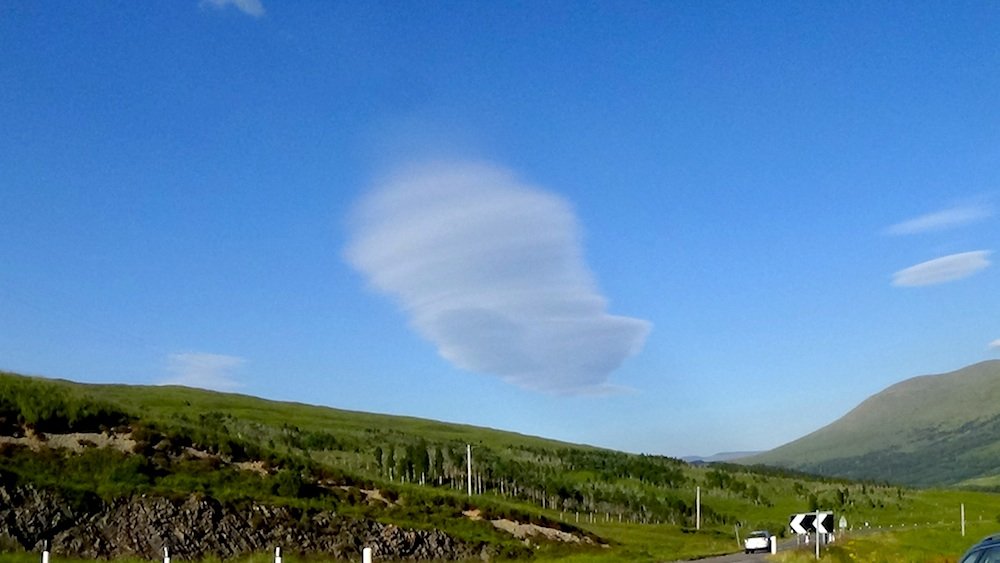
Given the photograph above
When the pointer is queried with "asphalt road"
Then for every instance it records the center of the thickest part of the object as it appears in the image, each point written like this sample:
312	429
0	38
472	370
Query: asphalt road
746	558
736	558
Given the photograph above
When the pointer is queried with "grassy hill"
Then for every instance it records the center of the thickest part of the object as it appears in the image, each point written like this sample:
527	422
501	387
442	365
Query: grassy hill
115	441
926	431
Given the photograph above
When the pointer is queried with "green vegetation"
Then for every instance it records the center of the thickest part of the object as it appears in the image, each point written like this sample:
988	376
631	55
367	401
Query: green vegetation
937	430
916	544
175	442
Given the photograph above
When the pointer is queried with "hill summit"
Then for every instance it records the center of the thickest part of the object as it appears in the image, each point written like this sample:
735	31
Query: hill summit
931	430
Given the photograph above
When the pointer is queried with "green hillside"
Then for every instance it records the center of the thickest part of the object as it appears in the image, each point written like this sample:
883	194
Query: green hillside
98	443
926	431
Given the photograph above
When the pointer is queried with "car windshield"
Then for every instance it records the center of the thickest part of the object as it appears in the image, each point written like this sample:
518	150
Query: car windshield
758	534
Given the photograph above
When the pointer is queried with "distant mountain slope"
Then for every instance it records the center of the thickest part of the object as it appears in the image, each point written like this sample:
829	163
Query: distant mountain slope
715	458
925	431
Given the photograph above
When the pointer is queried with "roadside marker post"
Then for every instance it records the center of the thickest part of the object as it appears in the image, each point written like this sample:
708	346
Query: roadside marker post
277	555
963	519
45	552
166	555
366	555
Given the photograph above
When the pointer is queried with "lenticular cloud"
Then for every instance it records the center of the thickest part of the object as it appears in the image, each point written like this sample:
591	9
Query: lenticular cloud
941	270
491	271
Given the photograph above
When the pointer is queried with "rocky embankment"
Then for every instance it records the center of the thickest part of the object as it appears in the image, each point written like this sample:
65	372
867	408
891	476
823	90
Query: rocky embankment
196	527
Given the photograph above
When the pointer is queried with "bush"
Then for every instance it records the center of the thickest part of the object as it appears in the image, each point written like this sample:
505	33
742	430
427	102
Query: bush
287	483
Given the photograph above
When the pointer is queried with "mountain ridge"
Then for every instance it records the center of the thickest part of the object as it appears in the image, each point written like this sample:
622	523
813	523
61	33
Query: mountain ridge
928	430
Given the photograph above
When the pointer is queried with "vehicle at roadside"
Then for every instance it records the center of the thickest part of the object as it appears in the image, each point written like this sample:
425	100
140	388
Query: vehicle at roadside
986	551
759	540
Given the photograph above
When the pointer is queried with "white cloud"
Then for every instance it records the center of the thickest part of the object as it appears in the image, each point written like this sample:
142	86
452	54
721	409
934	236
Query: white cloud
491	271
944	269
207	371
250	7
942	220
995	344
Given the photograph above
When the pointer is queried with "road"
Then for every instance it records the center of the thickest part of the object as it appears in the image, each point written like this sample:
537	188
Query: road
735	558
746	558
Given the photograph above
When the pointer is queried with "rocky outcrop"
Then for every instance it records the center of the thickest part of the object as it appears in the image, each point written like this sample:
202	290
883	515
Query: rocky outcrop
197	527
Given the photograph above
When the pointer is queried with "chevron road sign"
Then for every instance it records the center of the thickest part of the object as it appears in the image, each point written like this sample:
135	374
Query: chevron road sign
802	523
810	522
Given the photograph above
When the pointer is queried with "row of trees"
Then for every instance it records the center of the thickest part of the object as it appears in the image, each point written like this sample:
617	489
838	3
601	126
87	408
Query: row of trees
635	488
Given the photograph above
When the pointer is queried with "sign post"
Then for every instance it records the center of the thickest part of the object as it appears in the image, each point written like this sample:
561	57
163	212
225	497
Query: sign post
810	522
817	540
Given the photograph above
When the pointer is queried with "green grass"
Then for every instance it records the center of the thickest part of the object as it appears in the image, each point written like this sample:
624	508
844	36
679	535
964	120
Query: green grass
643	504
166	402
920	544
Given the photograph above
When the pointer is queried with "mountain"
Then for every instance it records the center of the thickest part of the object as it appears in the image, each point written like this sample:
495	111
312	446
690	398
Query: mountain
721	456
932	430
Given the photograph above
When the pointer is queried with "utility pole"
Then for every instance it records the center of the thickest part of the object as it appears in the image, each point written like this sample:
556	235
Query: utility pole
697	512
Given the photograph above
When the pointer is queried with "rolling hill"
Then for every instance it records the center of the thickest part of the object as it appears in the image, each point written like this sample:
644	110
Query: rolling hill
932	430
113	471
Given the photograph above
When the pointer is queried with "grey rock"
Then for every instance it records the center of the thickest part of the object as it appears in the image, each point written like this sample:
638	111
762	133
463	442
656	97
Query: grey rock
197	527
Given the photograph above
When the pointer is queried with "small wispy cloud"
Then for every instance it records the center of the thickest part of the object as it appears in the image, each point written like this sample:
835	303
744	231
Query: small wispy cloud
491	271
942	220
199	369
941	270
995	345
253	8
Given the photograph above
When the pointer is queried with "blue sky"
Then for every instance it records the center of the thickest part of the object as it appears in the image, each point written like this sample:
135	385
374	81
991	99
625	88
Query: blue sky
672	228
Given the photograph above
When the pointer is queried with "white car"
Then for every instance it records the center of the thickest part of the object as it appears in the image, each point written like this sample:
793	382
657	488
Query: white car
757	541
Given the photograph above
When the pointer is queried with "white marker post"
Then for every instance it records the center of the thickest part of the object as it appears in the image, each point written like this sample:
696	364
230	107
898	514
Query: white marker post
166	555
45	552
963	519
277	555
366	555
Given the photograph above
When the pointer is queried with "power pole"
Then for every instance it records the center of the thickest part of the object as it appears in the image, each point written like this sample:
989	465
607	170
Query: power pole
697	513
468	455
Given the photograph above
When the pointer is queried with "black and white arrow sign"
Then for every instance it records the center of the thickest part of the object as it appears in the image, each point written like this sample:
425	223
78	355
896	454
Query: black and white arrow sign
810	522
824	522
803	523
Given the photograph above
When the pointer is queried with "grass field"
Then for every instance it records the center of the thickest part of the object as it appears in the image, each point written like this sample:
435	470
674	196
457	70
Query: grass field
641	507
927	544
